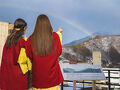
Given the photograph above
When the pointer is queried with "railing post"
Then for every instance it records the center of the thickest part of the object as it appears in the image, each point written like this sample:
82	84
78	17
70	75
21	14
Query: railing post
83	84
29	79
74	84
119	75
109	84
61	86
93	85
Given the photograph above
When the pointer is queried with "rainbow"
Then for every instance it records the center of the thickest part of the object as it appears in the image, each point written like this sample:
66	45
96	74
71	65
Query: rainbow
72	23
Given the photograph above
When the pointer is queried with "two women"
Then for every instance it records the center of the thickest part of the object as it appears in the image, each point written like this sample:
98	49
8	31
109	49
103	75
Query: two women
43	47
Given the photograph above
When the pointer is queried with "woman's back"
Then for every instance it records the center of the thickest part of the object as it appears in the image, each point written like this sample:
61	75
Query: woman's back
12	77
46	70
10	72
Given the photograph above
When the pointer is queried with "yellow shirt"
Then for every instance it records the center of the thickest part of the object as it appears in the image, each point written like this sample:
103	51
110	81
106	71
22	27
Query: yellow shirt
51	88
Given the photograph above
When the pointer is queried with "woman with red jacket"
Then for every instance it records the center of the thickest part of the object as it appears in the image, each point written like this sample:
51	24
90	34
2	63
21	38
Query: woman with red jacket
43	47
10	73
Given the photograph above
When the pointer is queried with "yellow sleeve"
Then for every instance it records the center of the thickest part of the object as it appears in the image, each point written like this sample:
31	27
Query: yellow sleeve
24	61
60	36
29	64
28	60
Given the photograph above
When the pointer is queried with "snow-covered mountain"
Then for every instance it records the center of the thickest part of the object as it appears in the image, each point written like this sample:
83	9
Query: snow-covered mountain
108	45
79	41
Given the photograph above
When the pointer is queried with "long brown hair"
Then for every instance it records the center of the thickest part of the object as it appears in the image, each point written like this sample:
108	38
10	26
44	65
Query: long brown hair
42	39
16	33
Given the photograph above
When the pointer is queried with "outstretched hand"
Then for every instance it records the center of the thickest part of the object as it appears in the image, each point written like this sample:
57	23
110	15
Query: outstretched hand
60	30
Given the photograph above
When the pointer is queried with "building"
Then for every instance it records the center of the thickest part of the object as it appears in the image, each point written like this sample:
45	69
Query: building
3	35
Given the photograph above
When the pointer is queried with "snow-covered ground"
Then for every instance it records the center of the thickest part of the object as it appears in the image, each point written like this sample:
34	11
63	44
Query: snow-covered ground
78	86
70	88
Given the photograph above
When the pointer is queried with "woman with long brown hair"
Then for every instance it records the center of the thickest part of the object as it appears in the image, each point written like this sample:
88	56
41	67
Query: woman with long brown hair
43	47
10	72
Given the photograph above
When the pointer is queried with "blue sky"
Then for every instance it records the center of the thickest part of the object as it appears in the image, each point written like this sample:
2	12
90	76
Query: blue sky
77	18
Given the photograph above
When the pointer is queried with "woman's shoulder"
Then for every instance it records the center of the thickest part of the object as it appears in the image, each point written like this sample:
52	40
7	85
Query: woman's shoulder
21	42
29	38
55	35
28	42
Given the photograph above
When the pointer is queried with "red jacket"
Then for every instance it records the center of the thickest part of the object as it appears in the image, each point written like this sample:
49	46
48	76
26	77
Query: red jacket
11	74
46	70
